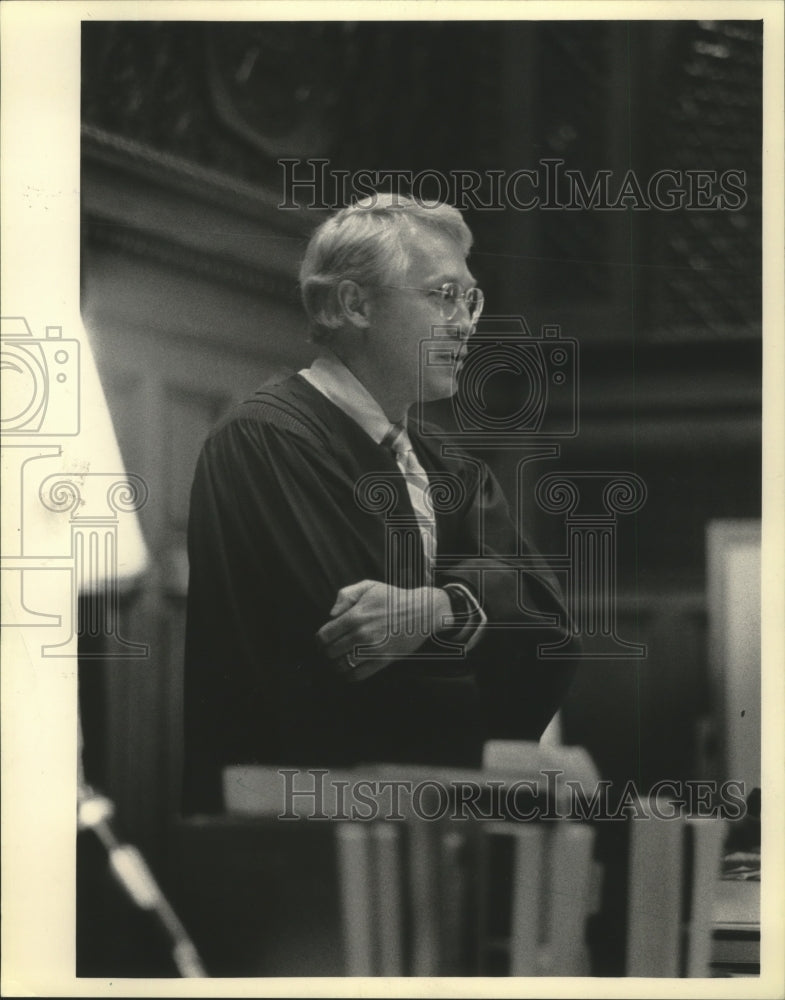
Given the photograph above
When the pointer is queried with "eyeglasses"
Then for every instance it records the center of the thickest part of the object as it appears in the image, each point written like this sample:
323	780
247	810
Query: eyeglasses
449	296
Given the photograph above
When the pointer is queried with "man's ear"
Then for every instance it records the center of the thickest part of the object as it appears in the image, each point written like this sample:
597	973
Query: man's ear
354	303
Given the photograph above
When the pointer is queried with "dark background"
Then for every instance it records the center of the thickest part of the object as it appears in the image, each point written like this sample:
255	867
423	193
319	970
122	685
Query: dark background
189	295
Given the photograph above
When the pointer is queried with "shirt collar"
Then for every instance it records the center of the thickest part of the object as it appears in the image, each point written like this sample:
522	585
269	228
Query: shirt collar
330	376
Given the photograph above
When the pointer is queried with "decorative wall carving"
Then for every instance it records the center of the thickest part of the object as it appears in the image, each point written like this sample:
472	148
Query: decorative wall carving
234	97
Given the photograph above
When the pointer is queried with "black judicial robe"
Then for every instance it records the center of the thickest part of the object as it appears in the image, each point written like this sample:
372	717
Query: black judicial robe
275	530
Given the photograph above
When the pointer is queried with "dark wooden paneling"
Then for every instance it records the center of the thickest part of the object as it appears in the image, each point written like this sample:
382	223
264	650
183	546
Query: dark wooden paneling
260	899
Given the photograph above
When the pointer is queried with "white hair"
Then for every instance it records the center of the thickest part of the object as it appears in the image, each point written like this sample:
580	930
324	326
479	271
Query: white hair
367	243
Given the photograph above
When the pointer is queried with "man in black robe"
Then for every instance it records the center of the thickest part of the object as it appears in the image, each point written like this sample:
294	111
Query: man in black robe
352	595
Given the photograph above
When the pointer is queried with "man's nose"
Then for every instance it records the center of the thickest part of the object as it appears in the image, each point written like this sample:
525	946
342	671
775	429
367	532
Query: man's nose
464	320
460	314
463	308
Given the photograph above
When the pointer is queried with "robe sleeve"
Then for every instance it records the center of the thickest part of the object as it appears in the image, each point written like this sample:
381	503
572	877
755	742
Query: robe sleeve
272	536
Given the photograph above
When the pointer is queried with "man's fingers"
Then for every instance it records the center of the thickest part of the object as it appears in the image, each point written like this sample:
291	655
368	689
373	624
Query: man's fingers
367	614
335	628
342	603
347	596
345	644
341	636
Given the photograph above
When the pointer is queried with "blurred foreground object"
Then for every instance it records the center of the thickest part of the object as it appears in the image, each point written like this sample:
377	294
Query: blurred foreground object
131	872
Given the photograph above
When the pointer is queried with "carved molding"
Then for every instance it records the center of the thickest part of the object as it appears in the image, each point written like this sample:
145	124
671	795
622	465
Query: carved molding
150	204
172	253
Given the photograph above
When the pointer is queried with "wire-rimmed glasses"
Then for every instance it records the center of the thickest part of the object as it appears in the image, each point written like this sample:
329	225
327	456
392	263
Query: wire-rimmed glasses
449	296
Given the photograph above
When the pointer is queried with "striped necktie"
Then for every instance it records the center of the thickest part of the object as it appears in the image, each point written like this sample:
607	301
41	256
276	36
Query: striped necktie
397	440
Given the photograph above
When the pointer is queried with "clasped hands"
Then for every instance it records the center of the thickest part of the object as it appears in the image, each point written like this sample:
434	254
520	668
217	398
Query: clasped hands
371	613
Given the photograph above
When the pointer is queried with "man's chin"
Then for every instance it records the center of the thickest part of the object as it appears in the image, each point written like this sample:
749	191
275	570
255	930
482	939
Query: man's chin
442	386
